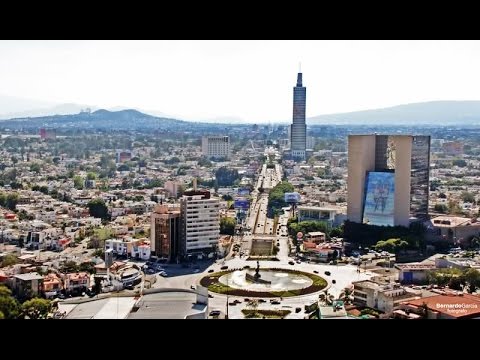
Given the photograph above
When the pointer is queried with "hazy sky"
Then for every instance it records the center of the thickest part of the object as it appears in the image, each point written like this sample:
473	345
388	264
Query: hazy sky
251	80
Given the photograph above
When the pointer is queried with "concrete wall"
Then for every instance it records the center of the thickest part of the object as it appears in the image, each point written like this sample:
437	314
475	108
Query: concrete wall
403	160
361	158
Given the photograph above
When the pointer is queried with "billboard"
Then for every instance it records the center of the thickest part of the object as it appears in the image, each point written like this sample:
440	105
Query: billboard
378	208
241	203
243	191
293	197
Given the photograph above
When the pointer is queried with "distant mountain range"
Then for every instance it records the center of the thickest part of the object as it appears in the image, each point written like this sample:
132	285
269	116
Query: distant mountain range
424	113
64	115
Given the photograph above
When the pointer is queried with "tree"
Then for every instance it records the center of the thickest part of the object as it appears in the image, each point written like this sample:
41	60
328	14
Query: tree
441	208
87	267
36	308
78	182
468	197
69	267
8	260
459	163
97	287
98	208
11	202
472	278
9	306
226	176
35	167
14	161
391	245
91	176
253	305
337	232
227	226
276	197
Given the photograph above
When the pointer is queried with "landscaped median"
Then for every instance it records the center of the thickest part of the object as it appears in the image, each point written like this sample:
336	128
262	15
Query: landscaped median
269	314
212	283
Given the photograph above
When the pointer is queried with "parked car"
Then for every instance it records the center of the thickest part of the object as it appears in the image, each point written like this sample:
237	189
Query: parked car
297	310
211	270
291	263
334	281
224	267
327	273
215	313
315	271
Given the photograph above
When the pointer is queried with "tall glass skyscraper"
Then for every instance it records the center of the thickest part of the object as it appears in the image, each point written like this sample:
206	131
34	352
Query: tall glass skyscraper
298	133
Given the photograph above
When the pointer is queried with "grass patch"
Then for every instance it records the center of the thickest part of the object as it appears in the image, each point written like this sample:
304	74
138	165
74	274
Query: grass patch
269	314
213	284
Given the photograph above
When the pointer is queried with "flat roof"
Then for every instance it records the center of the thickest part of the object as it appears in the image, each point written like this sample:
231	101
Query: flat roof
464	305
29	276
415	266
168	305
452	221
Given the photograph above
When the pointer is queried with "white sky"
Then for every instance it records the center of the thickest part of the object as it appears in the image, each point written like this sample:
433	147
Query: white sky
251	80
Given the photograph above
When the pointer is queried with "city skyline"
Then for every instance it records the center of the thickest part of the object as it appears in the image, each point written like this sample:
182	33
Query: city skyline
237	80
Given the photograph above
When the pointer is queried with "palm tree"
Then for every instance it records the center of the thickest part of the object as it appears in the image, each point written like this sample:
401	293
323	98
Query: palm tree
253	304
424	307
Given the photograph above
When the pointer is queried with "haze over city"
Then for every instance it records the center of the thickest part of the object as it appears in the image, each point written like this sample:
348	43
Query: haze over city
247	81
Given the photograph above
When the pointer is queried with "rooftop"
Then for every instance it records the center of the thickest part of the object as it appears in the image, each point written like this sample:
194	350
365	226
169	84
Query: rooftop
416	266
463	305
29	276
451	221
168	305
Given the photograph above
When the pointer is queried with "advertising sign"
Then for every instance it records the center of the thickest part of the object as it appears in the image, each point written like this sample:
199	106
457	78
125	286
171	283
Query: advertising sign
241	203
293	197
379	199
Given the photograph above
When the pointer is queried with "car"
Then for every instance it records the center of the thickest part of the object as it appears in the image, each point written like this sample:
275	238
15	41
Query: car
214	313
246	299
232	303
224	267
210	295
262	301
327	273
291	263
211	270
315	271
297	310
274	302
334	281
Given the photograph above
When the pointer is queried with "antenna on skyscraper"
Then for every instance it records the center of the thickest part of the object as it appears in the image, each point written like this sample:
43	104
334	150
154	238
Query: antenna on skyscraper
299	66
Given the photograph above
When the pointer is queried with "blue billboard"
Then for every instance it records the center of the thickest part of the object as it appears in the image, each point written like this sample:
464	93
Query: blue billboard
379	204
241	203
292	197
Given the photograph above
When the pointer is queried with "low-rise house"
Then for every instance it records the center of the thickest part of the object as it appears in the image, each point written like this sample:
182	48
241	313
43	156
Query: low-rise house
414	273
28	285
52	284
383	296
77	282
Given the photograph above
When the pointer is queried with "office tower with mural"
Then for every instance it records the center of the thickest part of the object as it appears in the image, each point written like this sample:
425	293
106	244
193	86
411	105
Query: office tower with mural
388	179
298	130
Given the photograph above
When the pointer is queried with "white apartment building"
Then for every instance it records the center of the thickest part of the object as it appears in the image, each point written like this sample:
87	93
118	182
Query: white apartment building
200	222
216	146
